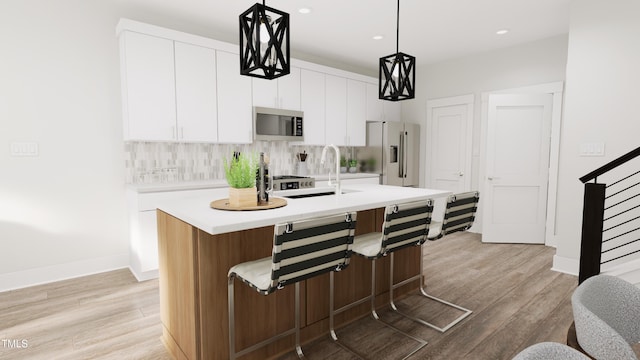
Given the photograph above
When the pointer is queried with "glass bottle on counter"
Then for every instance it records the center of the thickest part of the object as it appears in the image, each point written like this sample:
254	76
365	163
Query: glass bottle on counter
263	181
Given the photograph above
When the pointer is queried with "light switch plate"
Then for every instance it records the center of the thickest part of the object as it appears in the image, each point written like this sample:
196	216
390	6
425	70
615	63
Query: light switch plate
24	149
592	149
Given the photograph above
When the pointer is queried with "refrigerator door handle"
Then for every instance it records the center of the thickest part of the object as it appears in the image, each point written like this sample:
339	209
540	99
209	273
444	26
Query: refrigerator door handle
405	161
401	156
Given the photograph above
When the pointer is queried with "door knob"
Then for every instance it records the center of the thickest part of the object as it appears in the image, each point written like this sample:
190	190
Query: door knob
460	173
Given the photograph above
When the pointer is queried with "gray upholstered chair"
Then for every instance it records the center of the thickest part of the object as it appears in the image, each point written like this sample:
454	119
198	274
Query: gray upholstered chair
458	215
550	351
606	311
301	249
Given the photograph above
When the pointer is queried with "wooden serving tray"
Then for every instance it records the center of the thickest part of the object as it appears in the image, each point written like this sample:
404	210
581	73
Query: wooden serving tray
223	204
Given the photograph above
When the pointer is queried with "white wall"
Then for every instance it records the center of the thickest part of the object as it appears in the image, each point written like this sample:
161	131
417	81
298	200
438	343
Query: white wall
601	105
61	213
533	63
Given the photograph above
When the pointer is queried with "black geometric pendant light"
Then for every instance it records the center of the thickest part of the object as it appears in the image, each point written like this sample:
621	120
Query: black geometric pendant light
397	73
264	42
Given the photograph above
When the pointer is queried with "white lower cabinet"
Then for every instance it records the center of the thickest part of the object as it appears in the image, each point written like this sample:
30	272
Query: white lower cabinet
143	228
351	181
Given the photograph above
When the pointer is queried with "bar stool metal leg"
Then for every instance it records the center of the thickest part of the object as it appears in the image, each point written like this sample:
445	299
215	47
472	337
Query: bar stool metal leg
374	314
423	292
232	333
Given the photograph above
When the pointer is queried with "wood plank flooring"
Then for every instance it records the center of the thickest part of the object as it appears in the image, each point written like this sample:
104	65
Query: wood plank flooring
516	301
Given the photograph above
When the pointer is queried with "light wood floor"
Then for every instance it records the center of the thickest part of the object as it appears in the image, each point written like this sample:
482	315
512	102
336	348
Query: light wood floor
517	301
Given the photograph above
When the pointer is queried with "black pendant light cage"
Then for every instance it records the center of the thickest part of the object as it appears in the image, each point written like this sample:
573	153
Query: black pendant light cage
264	59
397	73
397	77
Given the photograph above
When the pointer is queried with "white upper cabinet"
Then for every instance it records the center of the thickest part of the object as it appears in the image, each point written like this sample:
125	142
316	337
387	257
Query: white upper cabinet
381	110
335	110
196	93
375	111
289	90
356	113
235	115
148	87
345	104
392	110
312	102
265	92
182	87
281	93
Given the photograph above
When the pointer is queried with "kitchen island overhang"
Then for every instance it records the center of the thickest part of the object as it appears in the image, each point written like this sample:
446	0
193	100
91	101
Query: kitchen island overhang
197	246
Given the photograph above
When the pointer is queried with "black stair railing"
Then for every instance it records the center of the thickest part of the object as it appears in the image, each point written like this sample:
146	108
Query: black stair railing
610	218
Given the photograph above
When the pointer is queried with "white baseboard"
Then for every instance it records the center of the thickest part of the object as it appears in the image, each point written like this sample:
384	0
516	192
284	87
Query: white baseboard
48	274
144	275
629	271
566	265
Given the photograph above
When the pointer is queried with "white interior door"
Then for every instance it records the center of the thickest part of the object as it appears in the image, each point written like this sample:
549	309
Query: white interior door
449	158
517	168
449	139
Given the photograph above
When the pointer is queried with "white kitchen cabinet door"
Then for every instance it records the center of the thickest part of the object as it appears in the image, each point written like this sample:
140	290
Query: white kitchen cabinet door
356	113
392	110
289	90
148	87
196	93
335	110
281	93
375	110
235	115
312	102
265	92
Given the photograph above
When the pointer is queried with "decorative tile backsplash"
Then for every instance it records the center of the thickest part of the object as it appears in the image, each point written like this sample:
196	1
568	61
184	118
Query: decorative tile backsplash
159	162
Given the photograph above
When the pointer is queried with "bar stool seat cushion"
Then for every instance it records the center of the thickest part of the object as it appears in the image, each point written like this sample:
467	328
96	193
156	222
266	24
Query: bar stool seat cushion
256	274
368	245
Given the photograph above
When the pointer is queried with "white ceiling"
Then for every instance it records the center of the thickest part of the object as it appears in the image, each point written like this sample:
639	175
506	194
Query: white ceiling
339	32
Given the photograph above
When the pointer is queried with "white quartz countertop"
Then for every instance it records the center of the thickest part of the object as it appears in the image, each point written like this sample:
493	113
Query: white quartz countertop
196	210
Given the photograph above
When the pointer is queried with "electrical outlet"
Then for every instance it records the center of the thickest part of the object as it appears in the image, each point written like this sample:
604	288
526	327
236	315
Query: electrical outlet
24	149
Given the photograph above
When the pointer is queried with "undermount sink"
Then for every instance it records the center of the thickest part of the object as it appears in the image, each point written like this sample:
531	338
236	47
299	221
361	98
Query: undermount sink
311	195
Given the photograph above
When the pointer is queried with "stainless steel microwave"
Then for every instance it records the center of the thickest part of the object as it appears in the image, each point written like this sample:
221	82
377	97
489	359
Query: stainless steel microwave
277	124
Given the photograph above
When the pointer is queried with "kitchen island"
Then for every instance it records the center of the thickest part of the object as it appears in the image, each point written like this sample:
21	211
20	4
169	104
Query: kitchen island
197	245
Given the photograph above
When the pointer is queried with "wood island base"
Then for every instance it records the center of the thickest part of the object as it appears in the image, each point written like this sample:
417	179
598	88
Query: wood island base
193	290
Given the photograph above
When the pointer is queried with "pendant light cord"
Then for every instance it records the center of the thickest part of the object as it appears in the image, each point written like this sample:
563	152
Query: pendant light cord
397	28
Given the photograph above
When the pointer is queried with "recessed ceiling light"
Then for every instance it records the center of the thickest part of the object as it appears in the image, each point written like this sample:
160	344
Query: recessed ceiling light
304	10
378	37
502	31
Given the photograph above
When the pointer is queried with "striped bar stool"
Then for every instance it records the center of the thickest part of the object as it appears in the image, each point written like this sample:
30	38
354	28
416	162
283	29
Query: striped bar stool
404	225
301	250
458	216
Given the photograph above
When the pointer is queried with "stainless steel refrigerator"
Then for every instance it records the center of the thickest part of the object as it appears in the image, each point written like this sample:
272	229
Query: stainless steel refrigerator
393	150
